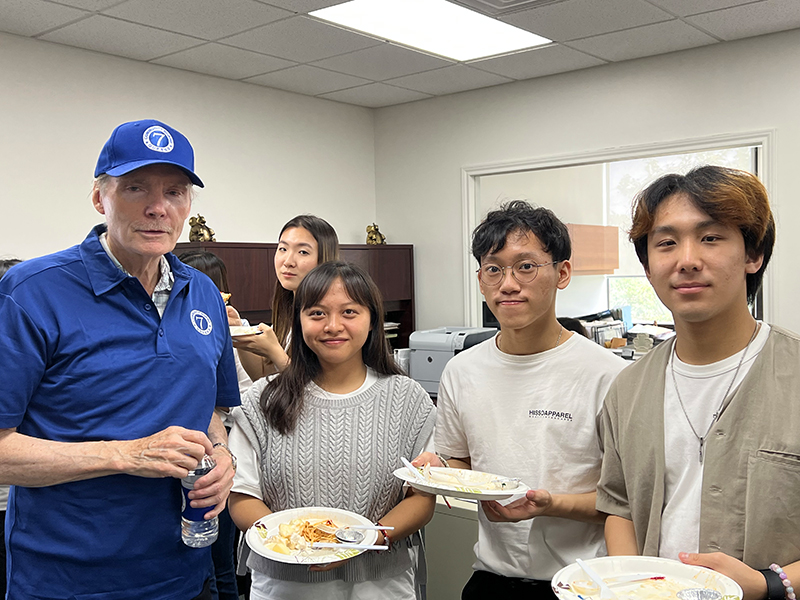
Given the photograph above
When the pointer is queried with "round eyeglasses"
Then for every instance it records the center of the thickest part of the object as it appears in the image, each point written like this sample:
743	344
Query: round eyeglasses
524	271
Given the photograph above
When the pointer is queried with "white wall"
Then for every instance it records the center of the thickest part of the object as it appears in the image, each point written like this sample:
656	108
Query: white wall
421	147
263	154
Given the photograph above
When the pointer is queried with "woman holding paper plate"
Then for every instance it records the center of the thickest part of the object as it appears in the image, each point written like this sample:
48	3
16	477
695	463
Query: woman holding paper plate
303	243
328	432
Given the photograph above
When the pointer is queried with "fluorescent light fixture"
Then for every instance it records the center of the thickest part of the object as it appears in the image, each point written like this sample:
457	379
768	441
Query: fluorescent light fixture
435	26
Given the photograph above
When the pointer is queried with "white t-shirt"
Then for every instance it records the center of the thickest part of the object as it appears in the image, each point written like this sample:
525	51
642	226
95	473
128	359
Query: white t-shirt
535	417
702	388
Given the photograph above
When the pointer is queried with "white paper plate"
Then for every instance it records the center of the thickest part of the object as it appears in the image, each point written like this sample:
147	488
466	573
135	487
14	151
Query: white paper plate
675	572
238	330
317	556
460	491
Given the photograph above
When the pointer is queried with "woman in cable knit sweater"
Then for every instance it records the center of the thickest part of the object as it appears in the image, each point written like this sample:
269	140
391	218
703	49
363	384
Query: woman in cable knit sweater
329	431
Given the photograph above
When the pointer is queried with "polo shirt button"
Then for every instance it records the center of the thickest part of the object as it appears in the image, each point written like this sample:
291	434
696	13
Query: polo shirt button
147	307
161	332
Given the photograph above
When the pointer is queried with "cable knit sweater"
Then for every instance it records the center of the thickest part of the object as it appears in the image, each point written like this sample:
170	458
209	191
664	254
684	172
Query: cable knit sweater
341	454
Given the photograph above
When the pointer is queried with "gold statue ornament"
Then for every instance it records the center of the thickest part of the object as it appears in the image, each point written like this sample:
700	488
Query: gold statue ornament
375	237
200	232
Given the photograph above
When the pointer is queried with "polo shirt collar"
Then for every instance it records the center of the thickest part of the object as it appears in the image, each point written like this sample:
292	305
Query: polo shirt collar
104	275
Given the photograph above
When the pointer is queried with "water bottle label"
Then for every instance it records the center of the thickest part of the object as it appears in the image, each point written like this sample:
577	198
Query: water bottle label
189	513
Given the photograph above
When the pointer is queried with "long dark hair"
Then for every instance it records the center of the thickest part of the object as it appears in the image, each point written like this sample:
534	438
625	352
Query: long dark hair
282	399
328	250
210	264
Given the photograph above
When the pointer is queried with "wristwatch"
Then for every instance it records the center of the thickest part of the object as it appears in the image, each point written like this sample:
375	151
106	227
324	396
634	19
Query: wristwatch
233	457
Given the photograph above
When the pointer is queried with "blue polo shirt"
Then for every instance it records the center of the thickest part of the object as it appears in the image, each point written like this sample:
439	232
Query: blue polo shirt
85	356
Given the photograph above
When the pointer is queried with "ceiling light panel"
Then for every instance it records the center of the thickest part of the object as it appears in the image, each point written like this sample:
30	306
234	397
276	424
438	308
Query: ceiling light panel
435	26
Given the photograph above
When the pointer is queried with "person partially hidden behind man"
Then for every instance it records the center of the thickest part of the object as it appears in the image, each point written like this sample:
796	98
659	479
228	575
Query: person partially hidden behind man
527	404
702	452
113	356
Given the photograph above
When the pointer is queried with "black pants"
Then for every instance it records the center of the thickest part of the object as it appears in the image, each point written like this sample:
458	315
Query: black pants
483	585
206	593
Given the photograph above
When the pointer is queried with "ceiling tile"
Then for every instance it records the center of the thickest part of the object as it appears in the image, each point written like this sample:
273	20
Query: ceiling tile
90	4
305	79
375	95
574	19
684	8
749	20
31	17
449	80
301	39
644	41
303	6
383	62
223	61
207	19
120	38
538	62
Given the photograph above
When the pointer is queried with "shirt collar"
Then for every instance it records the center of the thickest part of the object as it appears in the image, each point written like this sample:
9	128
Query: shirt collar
104	274
166	279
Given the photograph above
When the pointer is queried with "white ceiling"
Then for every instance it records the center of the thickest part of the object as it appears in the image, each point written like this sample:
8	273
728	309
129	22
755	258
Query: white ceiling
274	43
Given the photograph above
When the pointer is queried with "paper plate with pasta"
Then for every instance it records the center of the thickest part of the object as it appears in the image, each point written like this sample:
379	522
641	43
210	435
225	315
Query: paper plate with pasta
287	536
462	483
644	578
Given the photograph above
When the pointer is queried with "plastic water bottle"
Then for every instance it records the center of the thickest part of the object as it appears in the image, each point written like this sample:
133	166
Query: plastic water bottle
197	532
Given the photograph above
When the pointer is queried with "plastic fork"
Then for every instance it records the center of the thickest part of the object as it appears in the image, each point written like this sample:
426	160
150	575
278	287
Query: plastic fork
605	591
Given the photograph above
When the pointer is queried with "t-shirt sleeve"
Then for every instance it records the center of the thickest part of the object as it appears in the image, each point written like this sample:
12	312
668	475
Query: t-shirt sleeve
246	480
450	438
612	493
23	359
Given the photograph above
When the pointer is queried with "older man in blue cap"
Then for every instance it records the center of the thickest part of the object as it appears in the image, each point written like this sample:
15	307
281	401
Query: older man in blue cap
114	355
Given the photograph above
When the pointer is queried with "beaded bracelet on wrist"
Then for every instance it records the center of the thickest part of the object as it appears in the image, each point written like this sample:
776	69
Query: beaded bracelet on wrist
789	590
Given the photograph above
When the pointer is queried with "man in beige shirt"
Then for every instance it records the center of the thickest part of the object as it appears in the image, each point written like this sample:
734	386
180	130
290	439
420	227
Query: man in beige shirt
700	435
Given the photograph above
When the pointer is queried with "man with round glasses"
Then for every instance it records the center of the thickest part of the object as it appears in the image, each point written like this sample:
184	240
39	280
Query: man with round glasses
527	404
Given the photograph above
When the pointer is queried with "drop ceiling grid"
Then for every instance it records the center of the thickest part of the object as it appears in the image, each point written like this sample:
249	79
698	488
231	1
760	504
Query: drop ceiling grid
275	44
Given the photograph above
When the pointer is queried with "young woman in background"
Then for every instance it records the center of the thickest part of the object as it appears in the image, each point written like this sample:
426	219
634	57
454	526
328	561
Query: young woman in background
329	431
304	242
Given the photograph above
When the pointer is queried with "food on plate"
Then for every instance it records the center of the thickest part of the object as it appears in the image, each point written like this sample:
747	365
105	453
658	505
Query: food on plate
225	297
237	330
455	477
298	535
653	588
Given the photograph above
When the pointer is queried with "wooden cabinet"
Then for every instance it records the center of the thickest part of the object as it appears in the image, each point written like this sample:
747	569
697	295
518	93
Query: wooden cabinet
251	275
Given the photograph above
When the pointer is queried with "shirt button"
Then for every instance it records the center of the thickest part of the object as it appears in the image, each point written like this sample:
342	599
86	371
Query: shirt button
147	307
161	332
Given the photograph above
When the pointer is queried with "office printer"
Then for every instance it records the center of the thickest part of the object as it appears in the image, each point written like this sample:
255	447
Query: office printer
432	348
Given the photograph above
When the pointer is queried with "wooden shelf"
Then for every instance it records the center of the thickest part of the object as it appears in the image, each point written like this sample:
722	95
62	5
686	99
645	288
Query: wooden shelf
251	275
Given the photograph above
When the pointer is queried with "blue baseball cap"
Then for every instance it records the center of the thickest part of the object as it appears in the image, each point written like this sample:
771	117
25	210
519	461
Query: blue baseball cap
141	143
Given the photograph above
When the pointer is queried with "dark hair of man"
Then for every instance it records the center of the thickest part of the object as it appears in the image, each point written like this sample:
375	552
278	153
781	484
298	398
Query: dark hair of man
282	399
729	196
6	264
518	216
210	264
328	250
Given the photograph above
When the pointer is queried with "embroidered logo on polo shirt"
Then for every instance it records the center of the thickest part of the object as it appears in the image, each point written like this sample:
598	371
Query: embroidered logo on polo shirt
550	414
201	322
158	139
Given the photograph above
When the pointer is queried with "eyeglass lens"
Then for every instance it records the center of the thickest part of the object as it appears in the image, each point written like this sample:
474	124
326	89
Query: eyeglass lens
523	271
